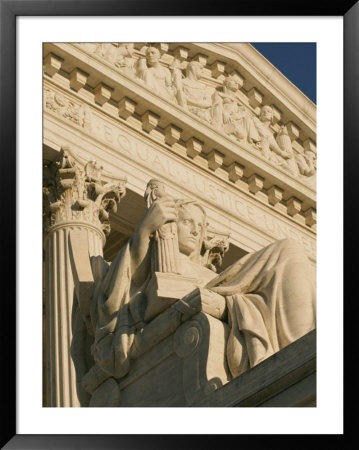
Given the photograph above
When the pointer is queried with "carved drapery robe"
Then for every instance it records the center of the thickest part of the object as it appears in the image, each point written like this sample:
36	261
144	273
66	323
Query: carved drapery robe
238	123
270	296
198	98
111	318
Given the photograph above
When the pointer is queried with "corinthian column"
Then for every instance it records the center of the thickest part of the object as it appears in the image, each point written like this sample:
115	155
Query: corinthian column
75	198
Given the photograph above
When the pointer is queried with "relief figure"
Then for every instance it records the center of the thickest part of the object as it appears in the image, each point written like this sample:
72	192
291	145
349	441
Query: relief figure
155	76
120	55
194	95
267	143
230	114
306	163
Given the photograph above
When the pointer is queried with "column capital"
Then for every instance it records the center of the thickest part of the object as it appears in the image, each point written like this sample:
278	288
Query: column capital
75	192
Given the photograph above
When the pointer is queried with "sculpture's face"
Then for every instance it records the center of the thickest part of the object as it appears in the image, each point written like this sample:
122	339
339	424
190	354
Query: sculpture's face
232	85
190	228
152	55
266	113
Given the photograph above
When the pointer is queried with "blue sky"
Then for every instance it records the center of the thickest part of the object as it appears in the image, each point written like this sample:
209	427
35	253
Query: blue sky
297	61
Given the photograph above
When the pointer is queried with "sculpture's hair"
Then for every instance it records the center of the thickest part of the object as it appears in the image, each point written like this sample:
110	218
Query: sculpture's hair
180	203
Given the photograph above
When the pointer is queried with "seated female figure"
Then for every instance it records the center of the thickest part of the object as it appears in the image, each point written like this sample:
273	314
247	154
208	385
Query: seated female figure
270	293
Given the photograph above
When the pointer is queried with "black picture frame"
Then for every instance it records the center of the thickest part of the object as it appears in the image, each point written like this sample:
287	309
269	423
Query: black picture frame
9	11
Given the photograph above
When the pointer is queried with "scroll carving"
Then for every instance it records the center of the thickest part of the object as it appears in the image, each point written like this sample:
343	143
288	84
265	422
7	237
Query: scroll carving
60	104
77	113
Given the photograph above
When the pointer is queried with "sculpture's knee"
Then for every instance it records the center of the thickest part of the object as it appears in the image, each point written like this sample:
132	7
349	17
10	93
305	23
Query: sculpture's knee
291	249
290	244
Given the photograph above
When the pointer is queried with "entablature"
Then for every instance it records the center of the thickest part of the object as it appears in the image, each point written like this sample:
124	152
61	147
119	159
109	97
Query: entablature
109	86
251	174
252	218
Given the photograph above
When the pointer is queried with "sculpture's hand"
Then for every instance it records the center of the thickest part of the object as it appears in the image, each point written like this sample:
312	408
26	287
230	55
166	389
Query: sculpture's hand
226	117
161	211
286	155
207	301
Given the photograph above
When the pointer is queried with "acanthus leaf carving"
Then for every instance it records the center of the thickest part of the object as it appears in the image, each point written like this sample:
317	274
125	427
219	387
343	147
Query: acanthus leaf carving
74	193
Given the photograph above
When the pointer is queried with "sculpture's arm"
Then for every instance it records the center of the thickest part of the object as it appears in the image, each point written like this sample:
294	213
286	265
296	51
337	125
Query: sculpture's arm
177	83
205	102
276	149
141	68
161	211
168	78
218	110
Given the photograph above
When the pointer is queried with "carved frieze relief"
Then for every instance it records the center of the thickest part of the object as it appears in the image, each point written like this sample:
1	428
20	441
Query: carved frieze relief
77	112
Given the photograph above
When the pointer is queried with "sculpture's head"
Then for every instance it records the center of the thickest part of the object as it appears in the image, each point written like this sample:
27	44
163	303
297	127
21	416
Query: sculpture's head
231	83
266	113
310	154
194	69
191	225
153	55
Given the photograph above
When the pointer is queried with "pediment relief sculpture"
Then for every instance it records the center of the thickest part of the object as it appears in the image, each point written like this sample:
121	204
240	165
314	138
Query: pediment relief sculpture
120	55
267	143
154	75
231	115
161	282
278	148
181	82
195	96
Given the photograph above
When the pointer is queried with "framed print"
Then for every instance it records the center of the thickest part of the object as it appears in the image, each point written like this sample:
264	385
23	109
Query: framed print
163	175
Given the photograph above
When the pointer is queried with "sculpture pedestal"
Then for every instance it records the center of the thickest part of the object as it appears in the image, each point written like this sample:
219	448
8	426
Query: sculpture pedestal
182	369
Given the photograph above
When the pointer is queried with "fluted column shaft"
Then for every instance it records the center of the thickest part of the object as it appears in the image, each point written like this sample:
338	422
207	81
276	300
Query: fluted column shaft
60	372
